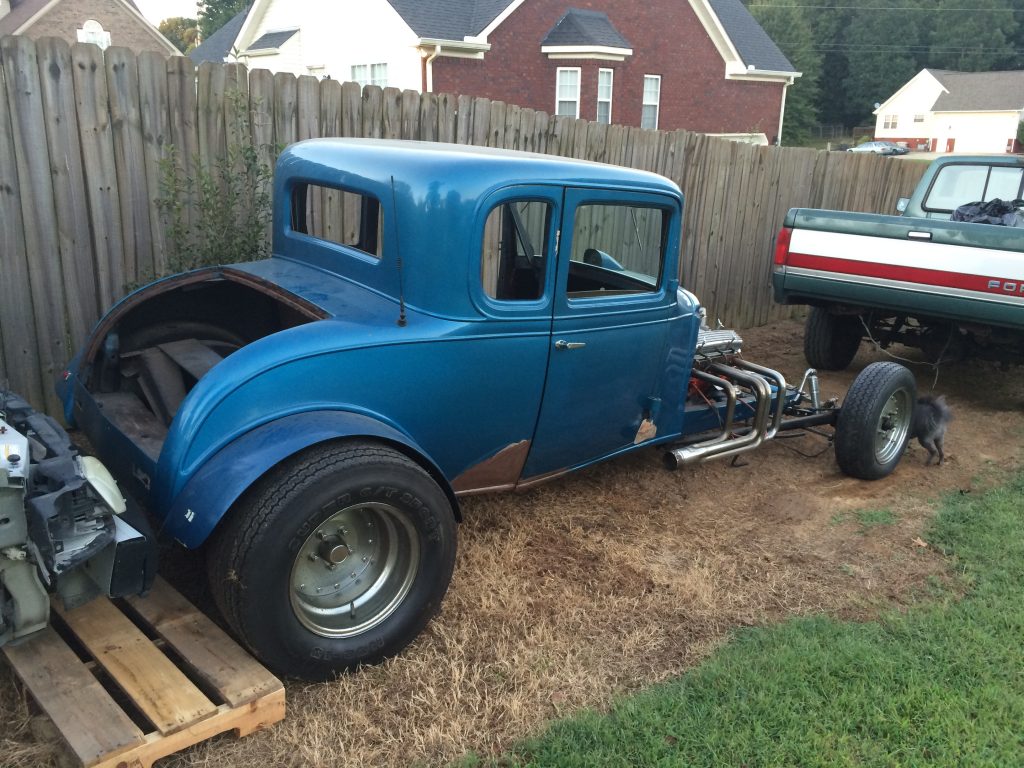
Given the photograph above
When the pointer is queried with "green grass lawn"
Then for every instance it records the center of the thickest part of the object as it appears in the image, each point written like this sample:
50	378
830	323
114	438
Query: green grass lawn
941	684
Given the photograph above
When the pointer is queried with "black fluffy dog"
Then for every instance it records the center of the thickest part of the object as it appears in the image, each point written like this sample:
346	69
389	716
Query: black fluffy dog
931	416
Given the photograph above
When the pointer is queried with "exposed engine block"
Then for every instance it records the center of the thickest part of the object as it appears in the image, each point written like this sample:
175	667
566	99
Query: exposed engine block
61	528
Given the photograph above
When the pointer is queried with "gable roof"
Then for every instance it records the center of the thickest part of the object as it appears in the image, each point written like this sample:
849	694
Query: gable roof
24	11
979	91
752	43
21	11
217	47
449	19
579	27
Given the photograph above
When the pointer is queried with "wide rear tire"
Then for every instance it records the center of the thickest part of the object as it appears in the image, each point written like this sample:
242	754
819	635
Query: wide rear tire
831	341
337	558
874	424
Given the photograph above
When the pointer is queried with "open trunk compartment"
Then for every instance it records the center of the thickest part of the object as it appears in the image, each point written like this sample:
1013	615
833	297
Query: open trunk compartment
150	352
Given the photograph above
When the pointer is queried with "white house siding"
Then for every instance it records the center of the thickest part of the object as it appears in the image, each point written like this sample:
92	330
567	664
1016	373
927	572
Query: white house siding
914	98
975	131
334	37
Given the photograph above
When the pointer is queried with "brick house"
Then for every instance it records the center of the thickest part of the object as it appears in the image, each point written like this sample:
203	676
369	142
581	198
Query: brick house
103	22
704	65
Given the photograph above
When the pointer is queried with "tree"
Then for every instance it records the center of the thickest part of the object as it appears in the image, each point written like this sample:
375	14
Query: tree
882	48
214	14
792	33
978	40
181	32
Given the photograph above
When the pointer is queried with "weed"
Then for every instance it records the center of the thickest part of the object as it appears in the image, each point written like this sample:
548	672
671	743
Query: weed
218	214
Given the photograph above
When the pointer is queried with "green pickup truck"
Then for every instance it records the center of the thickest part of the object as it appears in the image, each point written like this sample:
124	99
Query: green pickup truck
952	289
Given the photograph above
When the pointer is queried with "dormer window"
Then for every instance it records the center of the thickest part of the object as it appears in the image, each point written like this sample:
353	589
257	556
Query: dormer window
583	34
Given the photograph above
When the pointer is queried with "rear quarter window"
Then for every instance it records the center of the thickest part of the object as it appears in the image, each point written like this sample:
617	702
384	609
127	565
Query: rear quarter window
339	216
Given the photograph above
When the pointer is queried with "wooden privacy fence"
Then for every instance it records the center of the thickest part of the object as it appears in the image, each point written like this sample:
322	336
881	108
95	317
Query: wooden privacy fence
84	135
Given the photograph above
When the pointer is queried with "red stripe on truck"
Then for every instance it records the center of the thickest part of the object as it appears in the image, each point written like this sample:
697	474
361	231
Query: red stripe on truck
936	277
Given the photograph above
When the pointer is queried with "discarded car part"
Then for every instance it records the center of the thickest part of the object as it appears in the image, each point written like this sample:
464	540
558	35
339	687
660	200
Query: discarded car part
61	525
874	423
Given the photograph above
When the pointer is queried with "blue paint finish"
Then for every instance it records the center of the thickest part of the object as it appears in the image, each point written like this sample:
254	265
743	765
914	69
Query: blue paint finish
465	377
212	490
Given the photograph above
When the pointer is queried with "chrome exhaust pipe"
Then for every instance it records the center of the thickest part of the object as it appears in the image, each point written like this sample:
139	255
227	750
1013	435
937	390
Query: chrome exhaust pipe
720	446
780	391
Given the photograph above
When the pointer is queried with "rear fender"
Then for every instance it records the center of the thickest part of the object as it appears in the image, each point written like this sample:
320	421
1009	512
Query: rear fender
222	480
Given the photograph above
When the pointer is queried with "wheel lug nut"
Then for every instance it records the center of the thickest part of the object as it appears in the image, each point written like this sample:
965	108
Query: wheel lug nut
312	557
365	559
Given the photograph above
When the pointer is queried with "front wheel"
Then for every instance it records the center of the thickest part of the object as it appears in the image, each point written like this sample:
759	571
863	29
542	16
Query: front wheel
337	558
874	422
831	341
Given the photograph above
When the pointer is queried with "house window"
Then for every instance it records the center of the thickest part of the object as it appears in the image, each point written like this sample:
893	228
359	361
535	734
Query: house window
370	74
652	98
568	96
918	118
92	32
604	95
514	254
890	122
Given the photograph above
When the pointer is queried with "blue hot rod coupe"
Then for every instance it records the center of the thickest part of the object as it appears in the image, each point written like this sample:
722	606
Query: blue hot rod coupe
435	321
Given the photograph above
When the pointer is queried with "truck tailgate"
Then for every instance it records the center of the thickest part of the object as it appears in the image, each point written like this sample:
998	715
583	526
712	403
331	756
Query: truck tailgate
924	266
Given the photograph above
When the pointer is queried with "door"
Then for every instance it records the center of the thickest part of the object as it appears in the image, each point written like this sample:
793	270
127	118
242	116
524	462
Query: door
612	310
950	143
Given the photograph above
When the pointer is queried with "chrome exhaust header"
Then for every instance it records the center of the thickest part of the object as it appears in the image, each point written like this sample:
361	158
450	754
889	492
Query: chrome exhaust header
755	379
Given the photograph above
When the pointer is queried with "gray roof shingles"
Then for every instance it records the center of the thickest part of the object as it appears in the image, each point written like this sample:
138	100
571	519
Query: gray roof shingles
980	91
217	46
449	19
579	27
751	41
271	40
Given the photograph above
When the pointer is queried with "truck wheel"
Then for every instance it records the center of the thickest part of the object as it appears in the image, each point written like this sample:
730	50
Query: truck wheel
338	557
831	341
874	423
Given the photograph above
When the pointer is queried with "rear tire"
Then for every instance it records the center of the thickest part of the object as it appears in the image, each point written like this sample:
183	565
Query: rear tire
874	424
337	558
831	341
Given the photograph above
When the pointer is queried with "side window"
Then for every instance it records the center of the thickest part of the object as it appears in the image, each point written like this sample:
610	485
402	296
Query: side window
338	216
616	249
514	255
1003	183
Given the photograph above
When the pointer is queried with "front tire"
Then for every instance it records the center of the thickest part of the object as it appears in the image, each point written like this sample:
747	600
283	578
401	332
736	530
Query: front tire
338	557
874	424
831	341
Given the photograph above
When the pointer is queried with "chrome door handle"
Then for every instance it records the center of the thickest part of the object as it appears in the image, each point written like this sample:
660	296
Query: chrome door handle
919	235
563	344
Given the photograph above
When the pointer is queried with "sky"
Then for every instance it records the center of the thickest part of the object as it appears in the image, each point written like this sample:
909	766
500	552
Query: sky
158	10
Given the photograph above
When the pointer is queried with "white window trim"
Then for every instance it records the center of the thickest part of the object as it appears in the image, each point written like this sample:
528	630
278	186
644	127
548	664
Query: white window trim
611	94
579	86
655	104
890	122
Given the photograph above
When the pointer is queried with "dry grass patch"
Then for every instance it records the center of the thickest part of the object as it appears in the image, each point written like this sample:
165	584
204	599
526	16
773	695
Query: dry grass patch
617	577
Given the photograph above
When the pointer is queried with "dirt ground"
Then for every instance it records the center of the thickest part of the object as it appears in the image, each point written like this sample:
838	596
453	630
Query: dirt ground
623	575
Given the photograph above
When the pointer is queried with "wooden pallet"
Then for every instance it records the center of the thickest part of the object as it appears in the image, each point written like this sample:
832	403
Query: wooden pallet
135	699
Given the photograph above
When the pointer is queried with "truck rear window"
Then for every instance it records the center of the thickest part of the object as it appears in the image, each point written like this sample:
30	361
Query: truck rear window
338	216
955	185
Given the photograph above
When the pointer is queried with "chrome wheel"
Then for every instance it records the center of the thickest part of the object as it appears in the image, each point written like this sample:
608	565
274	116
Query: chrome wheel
893	425
354	570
